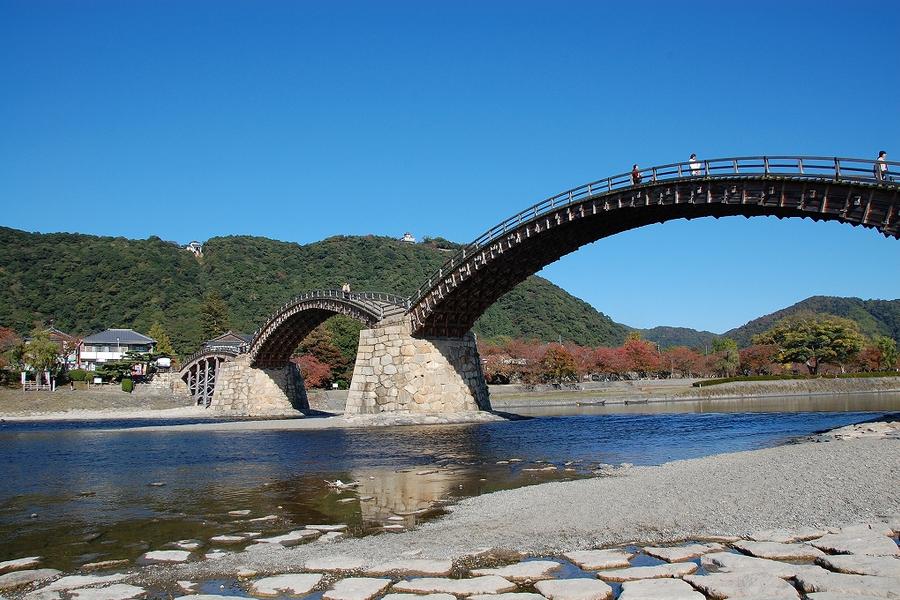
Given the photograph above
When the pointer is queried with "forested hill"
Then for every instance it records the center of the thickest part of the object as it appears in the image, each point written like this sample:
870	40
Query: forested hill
874	317
88	283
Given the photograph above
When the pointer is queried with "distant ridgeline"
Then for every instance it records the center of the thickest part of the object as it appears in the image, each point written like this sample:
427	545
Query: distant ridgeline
88	283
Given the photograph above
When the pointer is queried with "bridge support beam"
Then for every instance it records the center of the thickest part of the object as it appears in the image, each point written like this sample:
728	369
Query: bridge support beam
252	391
397	372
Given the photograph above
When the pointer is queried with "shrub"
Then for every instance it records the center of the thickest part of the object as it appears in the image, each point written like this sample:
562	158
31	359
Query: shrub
127	385
79	375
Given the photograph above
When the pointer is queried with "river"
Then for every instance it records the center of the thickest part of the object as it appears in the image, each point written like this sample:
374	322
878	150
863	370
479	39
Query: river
74	492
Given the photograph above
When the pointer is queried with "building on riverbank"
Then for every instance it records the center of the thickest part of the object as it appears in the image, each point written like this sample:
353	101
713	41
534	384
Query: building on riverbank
111	344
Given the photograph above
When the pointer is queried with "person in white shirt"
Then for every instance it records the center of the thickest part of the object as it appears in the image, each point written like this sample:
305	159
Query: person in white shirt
696	167
881	168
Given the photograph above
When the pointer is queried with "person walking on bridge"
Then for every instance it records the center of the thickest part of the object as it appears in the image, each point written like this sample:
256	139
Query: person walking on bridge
881	168
696	167
635	175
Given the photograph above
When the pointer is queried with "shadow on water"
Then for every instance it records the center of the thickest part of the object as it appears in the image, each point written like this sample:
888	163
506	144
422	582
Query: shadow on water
93	497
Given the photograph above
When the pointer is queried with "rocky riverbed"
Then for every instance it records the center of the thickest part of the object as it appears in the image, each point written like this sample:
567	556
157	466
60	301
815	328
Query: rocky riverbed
817	519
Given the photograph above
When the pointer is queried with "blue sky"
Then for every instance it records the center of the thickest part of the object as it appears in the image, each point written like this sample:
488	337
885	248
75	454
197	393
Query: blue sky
301	120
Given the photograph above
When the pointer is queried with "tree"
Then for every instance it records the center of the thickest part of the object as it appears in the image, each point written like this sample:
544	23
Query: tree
888	349
320	344
640	356
163	343
814	339
726	359
759	359
316	374
40	353
682	360
558	365
213	316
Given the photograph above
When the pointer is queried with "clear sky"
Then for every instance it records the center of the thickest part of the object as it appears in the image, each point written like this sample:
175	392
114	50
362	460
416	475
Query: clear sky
300	120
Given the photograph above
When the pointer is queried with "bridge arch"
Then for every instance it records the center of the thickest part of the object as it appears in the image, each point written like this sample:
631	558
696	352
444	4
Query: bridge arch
201	369
821	188
275	341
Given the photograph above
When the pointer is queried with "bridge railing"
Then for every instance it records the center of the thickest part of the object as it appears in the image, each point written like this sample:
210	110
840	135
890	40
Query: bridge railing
232	350
812	167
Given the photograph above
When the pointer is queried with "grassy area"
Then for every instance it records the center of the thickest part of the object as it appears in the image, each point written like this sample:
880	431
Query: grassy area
709	382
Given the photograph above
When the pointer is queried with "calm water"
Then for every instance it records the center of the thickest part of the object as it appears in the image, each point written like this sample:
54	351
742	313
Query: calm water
90	490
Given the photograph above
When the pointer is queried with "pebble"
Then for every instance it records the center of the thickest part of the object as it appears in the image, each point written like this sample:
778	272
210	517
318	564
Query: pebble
850	585
508	596
787	536
119	591
216	554
187	544
490	584
654	572
743	585
857	540
599	559
533	570
291	538
393	527
166	556
291	583
104	564
187	586
413	566
682	553
227	539
883	566
19	563
346	500
157	484
331	536
659	589
574	589
324	528
420	597
334	563
238	513
20	578
357	588
779	551
246	573
266	518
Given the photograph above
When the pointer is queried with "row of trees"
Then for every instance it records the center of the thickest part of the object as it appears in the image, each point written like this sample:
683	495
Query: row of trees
813	343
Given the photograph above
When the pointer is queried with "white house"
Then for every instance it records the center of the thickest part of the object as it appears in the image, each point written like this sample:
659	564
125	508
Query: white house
408	238
195	247
112	344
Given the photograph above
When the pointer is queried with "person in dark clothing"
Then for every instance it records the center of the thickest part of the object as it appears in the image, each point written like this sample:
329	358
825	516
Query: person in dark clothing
635	175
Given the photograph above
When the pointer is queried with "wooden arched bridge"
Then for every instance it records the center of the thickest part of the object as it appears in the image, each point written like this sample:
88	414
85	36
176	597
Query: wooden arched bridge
446	306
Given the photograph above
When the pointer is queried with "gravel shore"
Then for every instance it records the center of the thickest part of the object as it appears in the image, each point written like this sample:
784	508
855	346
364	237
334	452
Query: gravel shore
810	484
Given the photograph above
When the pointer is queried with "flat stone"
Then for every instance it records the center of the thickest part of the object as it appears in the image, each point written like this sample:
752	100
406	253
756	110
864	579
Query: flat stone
204	597
104	564
266	518
599	559
291	538
166	556
838	596
574	589
324	528
413	566
779	551
228	539
17	564
659	589
738	563
654	572
41	595
334	563
291	584
508	596
850	585
855	564
419	597
238	513
682	553
216	555
72	582
119	591
489	584
787	536
188	544
533	570
743	585
20	578
188	586
857	541
357	588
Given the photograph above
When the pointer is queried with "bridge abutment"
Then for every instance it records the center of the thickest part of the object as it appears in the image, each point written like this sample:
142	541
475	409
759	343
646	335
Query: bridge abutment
398	372
252	391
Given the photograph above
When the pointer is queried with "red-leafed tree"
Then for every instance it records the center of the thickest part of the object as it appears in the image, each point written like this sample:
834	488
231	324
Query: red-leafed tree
759	359
316	374
557	365
640	356
583	357
682	361
609	361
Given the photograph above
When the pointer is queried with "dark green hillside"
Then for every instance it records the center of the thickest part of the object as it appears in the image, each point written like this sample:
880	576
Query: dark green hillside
875	317
88	283
668	337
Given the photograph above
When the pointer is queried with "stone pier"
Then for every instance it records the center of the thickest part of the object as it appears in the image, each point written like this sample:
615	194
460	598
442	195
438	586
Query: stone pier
397	372
252	391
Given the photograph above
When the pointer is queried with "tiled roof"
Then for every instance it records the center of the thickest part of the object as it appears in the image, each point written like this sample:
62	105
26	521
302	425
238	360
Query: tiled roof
122	336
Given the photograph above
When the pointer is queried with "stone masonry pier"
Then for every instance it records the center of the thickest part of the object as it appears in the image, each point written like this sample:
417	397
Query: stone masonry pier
398	372
249	390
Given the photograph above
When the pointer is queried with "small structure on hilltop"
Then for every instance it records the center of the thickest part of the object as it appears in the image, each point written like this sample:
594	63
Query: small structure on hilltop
408	238
112	344
195	248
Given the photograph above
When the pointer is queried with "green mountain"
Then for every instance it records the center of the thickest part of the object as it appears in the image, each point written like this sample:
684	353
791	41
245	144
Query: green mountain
88	283
667	337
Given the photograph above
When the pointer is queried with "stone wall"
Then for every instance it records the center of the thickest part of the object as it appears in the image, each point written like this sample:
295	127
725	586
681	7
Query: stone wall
396	372
247	390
